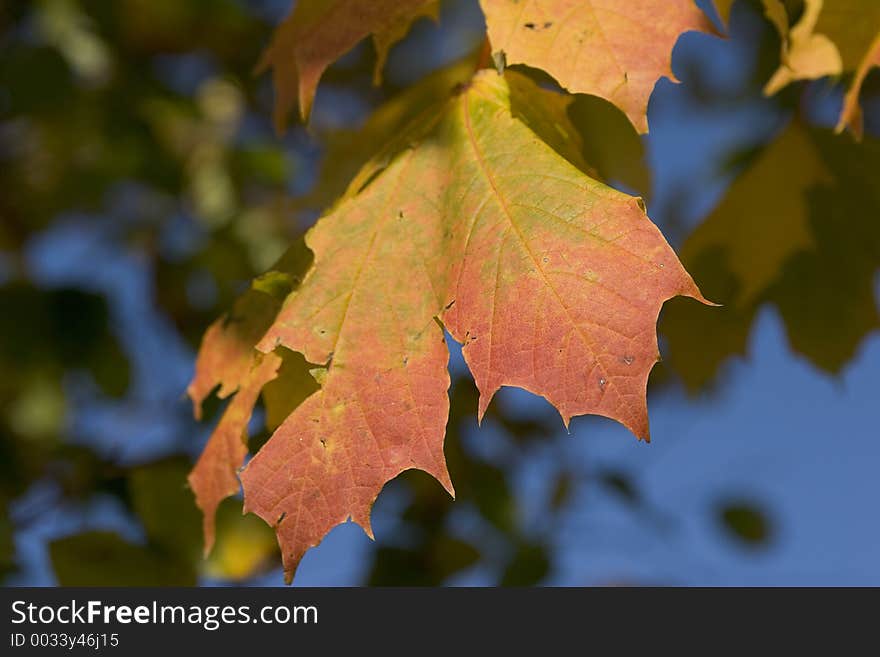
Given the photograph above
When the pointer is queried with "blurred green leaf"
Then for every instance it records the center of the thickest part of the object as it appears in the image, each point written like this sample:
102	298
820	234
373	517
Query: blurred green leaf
245	545
797	230
621	484
562	491
7	541
530	565
165	505
102	558
65	328
745	523
428	564
39	77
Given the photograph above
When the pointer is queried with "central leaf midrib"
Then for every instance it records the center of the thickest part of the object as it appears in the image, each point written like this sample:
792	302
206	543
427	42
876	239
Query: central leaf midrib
478	155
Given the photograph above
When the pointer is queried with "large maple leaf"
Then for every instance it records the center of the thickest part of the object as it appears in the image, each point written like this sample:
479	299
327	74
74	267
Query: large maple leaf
607	48
552	281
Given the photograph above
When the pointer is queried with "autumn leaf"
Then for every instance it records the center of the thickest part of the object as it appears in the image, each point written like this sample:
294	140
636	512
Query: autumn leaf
560	273
367	310
851	114
831	38
213	477
551	280
318	32
807	51
615	50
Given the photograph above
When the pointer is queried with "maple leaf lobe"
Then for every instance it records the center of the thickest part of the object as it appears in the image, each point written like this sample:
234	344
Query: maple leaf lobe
616	50
213	478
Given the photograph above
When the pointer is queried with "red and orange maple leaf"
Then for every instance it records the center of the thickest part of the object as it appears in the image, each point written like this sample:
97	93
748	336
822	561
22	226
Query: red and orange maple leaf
552	280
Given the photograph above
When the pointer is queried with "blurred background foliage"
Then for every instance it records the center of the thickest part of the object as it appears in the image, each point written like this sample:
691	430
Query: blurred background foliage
142	188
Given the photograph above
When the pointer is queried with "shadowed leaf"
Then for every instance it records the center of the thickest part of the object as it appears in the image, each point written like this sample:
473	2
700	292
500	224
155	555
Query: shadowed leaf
378	139
100	558
798	229
160	497
764	217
